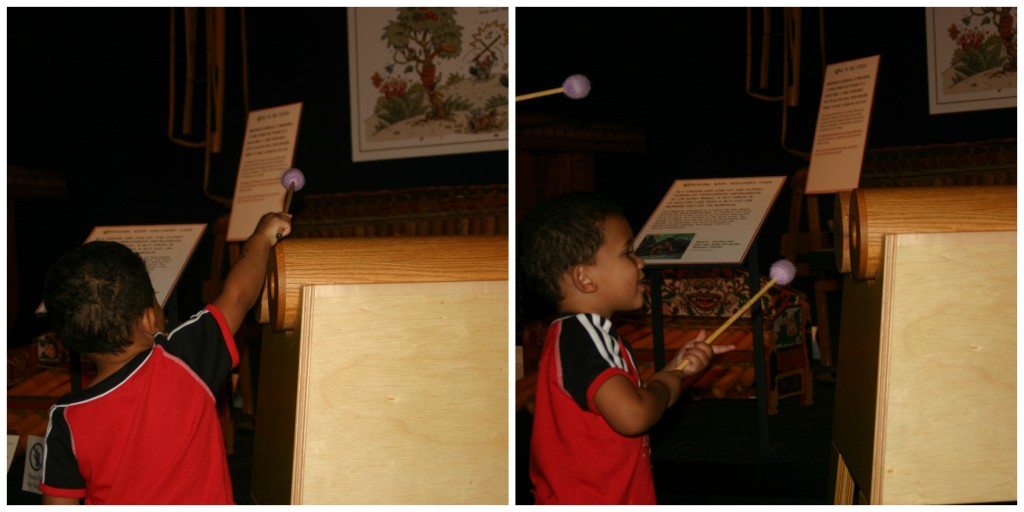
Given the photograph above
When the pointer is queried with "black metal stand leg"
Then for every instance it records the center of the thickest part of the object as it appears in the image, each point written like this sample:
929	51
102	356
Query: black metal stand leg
760	379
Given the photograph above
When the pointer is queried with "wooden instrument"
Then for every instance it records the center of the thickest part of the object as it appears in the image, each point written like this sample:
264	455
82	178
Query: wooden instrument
874	213
302	261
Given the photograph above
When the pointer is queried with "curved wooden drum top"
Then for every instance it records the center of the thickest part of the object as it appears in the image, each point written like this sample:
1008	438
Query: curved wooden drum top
299	262
874	213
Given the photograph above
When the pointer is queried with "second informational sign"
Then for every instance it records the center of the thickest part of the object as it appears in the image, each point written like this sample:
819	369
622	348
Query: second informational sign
707	221
269	147
842	131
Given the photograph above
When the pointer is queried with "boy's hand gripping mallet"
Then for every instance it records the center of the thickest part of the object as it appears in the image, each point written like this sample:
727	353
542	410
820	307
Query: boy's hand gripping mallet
575	87
782	272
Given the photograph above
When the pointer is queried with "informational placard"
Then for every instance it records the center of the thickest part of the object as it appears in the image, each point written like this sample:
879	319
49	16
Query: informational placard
842	130
707	221
267	152
166	249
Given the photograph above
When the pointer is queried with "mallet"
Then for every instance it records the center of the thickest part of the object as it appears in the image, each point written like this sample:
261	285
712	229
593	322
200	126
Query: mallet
293	180
782	272
575	87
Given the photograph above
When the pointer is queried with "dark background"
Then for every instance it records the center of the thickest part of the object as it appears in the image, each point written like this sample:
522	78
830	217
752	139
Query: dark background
678	74
88	93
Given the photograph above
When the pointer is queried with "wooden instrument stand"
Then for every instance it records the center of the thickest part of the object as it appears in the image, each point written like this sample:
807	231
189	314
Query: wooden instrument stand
384	373
927	391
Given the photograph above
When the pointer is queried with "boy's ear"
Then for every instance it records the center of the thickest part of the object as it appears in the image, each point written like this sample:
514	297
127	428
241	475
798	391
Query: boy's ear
581	279
148	321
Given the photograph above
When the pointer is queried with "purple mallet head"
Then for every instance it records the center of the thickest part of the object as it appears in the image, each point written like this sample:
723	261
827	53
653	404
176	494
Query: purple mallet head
293	175
783	272
576	87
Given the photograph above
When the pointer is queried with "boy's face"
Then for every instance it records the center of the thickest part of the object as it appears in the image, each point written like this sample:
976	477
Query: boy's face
617	270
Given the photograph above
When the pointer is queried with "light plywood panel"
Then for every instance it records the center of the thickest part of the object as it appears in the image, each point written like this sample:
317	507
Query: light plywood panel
948	429
403	394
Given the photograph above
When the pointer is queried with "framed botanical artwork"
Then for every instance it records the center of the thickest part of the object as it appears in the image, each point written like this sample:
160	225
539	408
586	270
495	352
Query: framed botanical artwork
972	58
428	81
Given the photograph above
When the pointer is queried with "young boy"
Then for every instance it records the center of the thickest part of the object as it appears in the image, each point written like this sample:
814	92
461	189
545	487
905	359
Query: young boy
589	442
145	430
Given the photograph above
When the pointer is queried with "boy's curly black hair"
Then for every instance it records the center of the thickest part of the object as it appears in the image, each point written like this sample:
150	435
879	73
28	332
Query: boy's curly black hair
94	296
560	233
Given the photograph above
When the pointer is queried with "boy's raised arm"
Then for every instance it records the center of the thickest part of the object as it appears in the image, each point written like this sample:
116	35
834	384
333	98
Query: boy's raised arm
245	279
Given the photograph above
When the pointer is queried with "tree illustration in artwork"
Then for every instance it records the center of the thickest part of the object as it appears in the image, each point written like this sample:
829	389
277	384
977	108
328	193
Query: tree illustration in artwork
419	38
986	40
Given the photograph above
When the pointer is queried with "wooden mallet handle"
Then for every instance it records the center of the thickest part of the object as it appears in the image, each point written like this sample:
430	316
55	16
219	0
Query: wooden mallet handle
575	87
538	94
288	197
735	316
293	180
782	272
